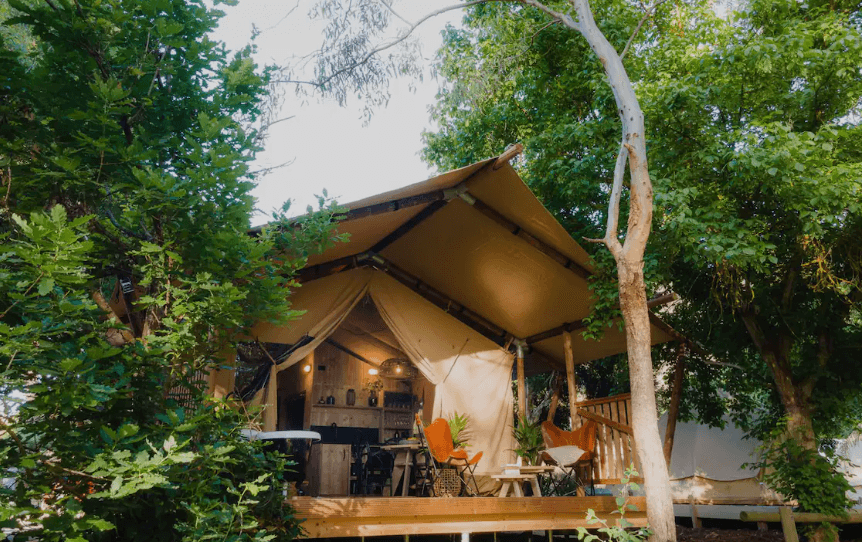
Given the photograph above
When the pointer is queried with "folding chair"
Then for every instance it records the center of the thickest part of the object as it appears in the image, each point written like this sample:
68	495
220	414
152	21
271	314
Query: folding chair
443	452
426	473
584	438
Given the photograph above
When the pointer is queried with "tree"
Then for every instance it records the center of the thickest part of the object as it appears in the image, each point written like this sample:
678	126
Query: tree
352	61
125	134
754	131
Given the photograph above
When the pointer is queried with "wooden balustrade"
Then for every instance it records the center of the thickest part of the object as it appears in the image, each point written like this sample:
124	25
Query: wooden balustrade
615	446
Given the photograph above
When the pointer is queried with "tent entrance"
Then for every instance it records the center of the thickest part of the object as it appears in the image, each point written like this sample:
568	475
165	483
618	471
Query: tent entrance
336	382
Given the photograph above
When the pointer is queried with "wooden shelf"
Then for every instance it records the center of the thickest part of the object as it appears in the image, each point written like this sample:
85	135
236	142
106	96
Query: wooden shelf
354	407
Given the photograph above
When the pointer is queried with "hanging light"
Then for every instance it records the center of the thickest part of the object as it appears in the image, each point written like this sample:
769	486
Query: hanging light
398	368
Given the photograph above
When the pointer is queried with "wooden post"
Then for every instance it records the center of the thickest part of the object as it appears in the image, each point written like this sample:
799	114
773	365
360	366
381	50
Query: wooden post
695	519
555	398
788	525
570	377
673	409
270	412
522	384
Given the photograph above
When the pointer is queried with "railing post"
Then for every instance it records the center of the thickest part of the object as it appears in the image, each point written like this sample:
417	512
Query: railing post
788	525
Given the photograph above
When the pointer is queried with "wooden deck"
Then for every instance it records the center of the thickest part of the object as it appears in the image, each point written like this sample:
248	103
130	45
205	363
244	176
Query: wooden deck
386	516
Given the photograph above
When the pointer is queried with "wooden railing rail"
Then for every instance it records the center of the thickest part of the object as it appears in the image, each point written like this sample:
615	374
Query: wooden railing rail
615	446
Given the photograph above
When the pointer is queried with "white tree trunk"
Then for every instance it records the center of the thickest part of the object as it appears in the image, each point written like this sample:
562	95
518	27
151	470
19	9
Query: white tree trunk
629	260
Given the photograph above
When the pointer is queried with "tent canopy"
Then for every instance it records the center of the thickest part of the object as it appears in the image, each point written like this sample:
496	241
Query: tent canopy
478	244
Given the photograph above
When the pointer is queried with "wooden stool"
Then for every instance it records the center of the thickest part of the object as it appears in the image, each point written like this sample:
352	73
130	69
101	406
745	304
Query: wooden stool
514	481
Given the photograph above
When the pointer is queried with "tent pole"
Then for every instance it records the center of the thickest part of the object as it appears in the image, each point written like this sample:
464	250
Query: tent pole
673	409
522	383
555	398
571	378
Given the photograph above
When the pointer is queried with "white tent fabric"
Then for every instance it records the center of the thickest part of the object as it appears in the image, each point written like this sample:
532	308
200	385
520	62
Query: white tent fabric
714	453
472	375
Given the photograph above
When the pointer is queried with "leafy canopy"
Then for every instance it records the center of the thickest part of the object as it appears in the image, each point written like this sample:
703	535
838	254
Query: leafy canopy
125	134
754	141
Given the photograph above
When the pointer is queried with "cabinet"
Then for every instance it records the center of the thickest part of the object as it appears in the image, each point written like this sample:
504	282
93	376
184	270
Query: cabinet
329	469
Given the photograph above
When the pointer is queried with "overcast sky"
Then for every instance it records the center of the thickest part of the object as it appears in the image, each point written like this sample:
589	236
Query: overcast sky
328	145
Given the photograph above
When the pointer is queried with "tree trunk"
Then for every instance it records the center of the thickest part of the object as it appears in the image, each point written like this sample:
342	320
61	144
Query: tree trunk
629	260
633	303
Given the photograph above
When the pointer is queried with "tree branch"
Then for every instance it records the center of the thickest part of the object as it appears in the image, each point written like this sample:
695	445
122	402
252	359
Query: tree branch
389	7
404	35
562	17
640	24
616	190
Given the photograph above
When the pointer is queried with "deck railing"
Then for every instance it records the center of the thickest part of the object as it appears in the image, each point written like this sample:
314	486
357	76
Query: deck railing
615	446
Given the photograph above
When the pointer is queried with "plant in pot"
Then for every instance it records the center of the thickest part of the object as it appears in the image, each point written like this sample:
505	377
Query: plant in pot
528	435
458	428
373	388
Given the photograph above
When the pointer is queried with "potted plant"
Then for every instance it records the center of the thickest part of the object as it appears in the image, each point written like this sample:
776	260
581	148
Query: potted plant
529	438
373	387
458	428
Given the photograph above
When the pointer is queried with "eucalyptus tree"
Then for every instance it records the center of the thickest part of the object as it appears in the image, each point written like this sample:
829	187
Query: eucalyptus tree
754	124
354	59
125	138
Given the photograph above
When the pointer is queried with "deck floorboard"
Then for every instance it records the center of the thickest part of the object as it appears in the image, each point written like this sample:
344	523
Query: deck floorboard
386	516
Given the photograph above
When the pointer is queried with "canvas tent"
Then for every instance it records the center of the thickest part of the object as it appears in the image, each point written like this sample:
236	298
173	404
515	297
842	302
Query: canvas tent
706	464
706	467
460	267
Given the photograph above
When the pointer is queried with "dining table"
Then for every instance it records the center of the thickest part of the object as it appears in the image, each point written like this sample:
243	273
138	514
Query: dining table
405	456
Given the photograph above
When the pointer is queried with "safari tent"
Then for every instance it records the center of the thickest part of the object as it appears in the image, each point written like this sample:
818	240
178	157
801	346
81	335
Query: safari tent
465	269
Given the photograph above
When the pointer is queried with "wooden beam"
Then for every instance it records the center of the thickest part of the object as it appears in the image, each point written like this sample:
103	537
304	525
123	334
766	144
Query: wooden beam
605	421
522	385
555	397
604	400
673	410
788	524
467	316
474	320
350	352
319	271
578	325
366	336
508	155
532	240
405	228
801	517
695	518
386	516
571	378
737	501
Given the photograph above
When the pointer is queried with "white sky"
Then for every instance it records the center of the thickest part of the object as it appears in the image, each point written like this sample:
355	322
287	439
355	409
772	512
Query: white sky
328	144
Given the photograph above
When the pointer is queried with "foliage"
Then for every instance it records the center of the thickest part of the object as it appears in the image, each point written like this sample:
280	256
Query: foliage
458	427
528	435
810	477
754	127
124	137
754	130
621	530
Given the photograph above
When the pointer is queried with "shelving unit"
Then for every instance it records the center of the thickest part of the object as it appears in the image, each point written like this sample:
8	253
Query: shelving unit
387	420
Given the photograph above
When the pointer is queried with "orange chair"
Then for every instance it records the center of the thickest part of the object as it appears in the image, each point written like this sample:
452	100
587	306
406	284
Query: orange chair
443	452
584	438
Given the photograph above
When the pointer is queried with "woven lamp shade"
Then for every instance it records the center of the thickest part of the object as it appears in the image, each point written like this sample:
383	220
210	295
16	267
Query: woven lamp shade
398	368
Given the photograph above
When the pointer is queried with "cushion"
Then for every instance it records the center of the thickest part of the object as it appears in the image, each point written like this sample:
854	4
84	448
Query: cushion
565	455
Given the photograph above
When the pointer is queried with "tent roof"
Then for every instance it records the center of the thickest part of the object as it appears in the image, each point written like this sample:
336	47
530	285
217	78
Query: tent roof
477	243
